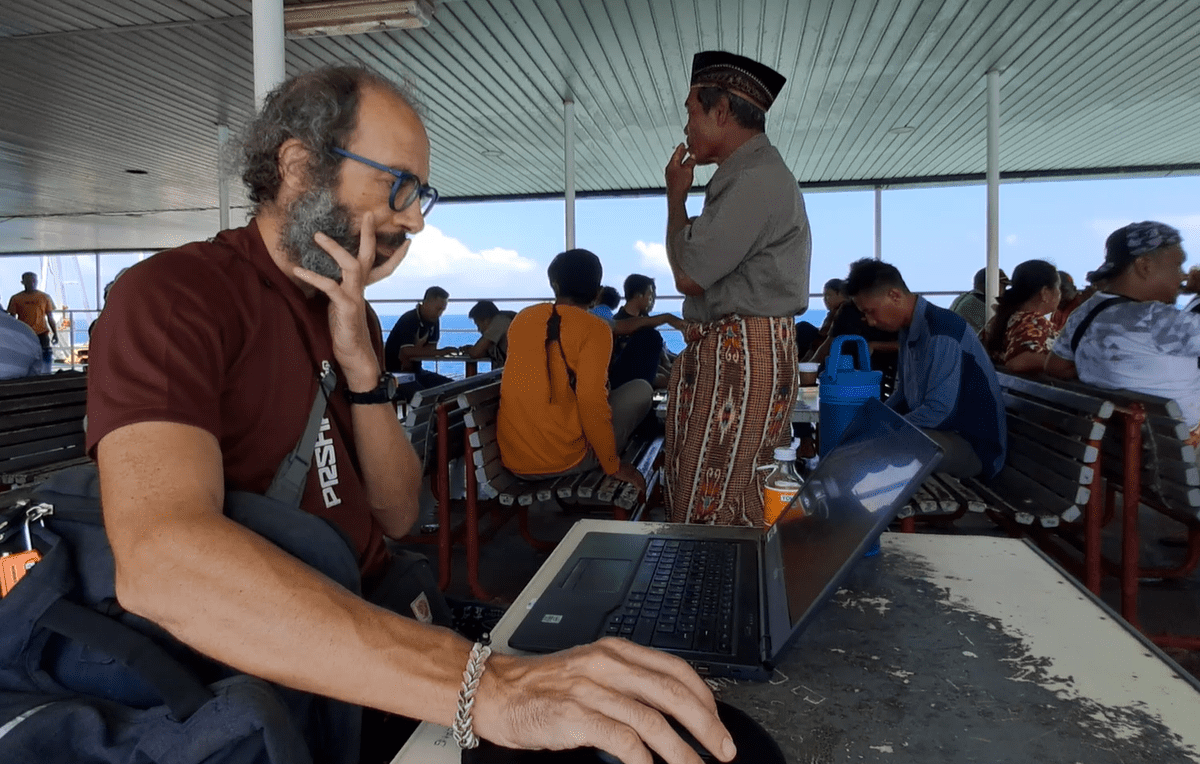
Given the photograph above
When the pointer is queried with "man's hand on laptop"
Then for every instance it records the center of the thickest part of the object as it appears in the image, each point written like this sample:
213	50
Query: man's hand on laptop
628	473
611	695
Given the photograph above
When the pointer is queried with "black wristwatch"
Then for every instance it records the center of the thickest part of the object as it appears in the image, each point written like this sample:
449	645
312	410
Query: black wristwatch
383	392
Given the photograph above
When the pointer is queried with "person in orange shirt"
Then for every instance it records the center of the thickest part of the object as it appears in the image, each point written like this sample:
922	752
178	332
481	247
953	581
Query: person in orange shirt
35	309
557	416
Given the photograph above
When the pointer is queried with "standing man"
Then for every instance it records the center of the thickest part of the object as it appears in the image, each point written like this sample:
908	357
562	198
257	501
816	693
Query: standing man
415	335
204	368
34	308
743	268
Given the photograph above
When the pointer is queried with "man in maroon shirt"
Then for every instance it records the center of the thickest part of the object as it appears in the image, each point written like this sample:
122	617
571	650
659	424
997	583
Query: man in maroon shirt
203	371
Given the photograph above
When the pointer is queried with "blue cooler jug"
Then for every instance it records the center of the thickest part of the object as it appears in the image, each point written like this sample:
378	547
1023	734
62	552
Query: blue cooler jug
844	388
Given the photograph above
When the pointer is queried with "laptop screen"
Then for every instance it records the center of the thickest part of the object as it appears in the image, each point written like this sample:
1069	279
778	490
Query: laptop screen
848	500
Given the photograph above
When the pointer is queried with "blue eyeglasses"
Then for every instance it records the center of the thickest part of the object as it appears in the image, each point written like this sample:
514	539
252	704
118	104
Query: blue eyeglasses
406	188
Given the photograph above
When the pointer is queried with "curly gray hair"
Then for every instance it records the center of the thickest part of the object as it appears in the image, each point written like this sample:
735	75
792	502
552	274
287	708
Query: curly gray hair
320	109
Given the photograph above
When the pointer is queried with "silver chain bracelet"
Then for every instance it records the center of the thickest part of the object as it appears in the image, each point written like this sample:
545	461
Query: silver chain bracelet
463	734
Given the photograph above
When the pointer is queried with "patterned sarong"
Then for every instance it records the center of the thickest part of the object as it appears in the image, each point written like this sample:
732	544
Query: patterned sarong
732	392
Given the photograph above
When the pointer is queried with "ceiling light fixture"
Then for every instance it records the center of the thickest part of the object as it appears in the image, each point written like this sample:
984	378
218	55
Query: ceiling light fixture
902	130
337	17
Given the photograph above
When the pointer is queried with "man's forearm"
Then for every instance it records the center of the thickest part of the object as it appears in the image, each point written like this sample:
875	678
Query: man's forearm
391	470
413	352
298	629
235	596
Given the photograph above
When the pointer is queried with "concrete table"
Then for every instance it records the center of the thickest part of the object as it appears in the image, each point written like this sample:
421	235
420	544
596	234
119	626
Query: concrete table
948	649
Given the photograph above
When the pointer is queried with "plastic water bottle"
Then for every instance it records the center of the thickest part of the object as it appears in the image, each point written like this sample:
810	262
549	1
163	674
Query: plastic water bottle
781	486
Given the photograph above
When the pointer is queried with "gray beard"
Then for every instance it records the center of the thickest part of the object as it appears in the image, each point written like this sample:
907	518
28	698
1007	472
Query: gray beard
319	210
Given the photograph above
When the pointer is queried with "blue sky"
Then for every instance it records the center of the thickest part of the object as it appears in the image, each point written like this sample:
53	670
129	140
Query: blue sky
935	236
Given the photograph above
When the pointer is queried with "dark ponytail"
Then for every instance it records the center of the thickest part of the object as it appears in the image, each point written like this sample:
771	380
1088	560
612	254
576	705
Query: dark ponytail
1028	278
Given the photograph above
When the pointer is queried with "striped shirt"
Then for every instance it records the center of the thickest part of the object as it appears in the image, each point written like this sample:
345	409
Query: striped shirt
20	351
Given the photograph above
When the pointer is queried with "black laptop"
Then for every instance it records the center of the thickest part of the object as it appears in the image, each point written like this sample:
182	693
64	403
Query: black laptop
729	600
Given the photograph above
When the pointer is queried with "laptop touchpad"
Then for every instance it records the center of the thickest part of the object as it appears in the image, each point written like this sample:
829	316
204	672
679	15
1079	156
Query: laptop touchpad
596	575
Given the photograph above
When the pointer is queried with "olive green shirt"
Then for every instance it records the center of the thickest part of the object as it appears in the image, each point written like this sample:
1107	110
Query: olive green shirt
750	247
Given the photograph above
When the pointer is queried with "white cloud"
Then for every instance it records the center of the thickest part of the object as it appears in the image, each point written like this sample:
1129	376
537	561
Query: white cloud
1011	239
433	253
654	256
435	258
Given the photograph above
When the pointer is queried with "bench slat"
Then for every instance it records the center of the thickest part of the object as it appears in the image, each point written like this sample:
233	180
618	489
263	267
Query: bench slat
1048	416
1070	469
1153	404
1075	449
964	495
39	386
46	416
15	466
49	401
1166	427
1033	497
35	434
1073	490
1069	399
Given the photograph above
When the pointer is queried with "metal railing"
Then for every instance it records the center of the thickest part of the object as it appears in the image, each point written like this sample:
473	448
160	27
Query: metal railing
74	326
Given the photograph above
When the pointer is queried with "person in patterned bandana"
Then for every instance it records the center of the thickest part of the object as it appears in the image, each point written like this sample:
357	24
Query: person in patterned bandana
742	266
1129	335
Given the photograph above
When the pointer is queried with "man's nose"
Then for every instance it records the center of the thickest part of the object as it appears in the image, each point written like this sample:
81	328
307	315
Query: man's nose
410	218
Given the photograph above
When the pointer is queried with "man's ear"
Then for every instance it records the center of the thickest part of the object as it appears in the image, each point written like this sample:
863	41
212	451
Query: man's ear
294	165
1143	266
721	110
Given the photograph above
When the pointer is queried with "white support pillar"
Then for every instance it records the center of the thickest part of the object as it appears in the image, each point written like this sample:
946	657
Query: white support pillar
223	175
993	190
569	170
268	48
879	222
99	283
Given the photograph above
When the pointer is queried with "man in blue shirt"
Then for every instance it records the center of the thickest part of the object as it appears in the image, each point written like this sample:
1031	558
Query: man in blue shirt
20	350
945	382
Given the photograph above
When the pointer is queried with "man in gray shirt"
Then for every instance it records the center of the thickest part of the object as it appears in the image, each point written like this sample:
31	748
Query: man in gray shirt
743	268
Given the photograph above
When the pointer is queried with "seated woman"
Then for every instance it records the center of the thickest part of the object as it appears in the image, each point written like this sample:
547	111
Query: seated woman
1025	335
556	414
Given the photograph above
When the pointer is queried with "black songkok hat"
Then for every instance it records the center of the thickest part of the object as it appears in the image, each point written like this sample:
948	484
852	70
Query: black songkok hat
742	76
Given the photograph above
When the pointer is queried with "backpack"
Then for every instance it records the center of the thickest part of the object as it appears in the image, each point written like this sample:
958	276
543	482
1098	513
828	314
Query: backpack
83	680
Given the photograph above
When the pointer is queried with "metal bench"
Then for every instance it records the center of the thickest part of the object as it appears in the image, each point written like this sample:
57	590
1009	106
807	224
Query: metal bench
434	425
489	483
1147	460
1049	478
41	426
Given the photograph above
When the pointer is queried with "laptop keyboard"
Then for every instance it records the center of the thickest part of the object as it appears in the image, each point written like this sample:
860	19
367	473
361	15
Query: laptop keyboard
681	597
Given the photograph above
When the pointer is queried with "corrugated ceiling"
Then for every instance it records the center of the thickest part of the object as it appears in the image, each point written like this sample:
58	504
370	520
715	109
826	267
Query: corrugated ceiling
92	89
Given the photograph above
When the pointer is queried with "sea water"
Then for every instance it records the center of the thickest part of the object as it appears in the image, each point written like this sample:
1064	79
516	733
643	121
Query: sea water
458	330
